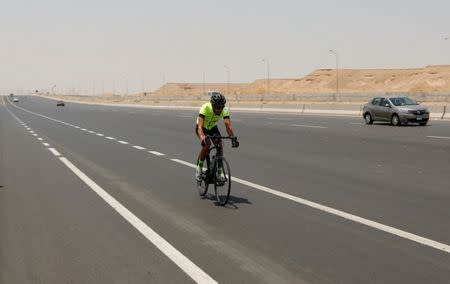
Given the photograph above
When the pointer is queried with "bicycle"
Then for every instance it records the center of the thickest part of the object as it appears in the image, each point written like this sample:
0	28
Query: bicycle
210	176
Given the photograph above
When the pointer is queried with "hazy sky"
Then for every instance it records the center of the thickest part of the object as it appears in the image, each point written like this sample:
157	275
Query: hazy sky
79	43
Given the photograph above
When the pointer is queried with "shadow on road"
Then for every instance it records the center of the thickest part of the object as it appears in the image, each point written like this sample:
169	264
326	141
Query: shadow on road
232	201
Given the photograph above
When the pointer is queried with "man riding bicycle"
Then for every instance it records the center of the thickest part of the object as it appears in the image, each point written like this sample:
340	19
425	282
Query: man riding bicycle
209	114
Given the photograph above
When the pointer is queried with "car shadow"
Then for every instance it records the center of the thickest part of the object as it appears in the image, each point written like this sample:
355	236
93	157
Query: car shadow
411	124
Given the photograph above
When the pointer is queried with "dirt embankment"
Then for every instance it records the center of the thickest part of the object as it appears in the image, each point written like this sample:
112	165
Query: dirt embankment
431	79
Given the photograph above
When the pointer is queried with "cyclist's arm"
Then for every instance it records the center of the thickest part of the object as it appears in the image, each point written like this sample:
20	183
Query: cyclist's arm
201	121
228	127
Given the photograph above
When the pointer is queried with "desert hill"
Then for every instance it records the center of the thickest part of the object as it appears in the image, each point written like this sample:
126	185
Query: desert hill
431	79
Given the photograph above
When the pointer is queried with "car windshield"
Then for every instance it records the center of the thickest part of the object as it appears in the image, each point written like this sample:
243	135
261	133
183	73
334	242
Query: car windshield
402	101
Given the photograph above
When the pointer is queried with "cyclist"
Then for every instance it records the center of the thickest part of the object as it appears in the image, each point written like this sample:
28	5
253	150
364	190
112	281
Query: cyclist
209	114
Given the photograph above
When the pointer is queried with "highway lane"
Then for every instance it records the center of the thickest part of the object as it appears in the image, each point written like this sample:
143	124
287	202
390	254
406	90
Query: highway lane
249	241
55	230
369	169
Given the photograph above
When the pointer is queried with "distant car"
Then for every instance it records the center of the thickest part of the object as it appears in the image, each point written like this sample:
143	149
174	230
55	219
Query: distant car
60	103
396	110
15	100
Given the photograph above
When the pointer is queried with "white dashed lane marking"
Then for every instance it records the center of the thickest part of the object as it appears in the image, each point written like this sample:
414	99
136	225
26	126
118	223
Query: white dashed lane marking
308	126
123	142
53	150
139	147
439	137
156	153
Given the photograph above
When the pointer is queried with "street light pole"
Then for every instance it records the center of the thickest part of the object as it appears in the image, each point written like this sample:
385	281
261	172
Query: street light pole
268	78
204	84
228	80
337	73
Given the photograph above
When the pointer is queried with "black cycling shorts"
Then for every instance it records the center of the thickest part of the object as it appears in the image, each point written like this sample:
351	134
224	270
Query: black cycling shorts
211	132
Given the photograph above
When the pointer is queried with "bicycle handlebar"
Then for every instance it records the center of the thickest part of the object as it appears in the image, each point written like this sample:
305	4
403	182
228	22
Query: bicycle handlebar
220	137
234	140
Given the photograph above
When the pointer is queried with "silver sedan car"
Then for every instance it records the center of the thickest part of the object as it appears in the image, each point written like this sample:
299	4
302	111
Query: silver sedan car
396	110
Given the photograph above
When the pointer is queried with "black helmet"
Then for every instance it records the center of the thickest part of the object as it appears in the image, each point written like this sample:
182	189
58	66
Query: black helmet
218	99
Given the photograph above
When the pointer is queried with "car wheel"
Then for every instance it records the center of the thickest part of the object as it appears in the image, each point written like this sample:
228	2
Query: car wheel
395	120
368	118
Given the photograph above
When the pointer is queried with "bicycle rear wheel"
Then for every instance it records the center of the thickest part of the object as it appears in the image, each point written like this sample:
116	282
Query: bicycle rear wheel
222	188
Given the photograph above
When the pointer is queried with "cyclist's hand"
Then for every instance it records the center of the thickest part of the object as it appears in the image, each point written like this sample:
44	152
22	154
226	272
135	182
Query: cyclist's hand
234	142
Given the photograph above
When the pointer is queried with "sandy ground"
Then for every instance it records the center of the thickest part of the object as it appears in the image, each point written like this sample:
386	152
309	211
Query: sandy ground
431	79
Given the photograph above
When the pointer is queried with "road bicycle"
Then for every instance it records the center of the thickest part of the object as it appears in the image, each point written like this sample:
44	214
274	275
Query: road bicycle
215	162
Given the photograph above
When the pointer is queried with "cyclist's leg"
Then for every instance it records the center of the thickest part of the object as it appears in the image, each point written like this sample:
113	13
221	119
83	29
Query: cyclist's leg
215	131
202	155
205	148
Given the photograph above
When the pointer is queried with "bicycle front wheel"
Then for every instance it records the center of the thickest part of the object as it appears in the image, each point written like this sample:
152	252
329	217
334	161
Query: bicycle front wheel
222	182
202	185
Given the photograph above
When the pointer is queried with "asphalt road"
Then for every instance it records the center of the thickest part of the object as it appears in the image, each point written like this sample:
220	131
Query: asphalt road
316	199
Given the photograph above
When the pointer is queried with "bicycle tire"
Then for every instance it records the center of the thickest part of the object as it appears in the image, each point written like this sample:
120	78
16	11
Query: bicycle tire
222	189
202	186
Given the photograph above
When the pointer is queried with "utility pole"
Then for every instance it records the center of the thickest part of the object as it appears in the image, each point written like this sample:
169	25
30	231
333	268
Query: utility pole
268	77
204	84
228	80
337	74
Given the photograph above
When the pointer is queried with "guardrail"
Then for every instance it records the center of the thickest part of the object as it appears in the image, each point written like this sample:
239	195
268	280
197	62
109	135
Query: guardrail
437	111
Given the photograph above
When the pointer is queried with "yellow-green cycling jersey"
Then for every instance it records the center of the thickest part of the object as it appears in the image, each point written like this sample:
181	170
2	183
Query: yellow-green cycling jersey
210	118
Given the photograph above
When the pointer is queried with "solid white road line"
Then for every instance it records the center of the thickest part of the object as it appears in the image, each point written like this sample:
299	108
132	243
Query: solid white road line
139	147
308	126
92	132
123	142
439	137
53	150
196	273
46	144
345	215
156	153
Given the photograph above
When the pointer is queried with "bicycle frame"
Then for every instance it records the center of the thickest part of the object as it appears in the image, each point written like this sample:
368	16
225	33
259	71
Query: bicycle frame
211	163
